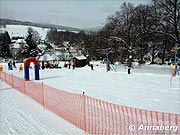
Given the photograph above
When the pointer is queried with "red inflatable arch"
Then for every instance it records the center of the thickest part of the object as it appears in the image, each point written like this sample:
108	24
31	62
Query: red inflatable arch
28	61
26	68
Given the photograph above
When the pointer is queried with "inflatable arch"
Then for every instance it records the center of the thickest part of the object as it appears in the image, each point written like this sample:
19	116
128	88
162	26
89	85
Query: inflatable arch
26	68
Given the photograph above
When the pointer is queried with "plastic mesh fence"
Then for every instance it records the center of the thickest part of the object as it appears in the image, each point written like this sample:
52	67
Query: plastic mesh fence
35	91
19	84
67	105
8	79
93	115
107	118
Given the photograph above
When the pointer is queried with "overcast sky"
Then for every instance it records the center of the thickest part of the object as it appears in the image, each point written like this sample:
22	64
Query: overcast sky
73	13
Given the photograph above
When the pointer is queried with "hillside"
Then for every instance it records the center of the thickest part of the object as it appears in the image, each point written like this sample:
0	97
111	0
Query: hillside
4	22
21	30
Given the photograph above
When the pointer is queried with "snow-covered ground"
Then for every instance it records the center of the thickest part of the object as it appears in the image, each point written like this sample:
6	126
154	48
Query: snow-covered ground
21	115
148	87
21	30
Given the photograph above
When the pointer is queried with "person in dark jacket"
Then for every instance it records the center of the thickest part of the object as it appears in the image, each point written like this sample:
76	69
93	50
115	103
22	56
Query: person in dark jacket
10	66
91	65
43	65
14	64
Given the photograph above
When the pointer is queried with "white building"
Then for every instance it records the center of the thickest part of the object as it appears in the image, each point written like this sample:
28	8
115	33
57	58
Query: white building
66	52
16	46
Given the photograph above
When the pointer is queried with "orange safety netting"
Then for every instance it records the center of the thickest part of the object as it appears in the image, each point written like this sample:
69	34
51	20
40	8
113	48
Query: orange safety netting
19	84
8	78
67	105
2	75
92	115
35	91
107	118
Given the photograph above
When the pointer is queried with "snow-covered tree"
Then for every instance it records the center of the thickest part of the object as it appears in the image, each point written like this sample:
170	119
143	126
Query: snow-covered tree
32	38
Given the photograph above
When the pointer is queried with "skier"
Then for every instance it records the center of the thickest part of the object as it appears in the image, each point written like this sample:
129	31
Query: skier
65	65
178	68
14	64
69	64
129	69
73	64
91	65
43	65
108	67
10	66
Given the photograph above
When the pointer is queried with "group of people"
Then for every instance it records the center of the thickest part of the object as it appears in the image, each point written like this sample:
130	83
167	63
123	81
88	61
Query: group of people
48	64
11	65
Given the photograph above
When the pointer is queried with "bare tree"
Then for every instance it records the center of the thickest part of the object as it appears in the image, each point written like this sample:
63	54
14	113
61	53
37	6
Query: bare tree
123	36
169	14
144	20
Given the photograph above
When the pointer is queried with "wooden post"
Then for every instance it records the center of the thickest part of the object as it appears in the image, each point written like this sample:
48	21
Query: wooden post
84	104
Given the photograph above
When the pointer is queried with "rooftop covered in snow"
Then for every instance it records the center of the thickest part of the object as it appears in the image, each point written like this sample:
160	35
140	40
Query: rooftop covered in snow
82	57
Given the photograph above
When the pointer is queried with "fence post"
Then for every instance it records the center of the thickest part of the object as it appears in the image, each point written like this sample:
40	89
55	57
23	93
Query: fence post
25	88
4	76
84	104
12	80
0	78
42	88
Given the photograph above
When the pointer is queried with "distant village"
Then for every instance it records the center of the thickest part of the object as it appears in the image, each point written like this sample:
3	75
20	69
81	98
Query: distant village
45	51
49	52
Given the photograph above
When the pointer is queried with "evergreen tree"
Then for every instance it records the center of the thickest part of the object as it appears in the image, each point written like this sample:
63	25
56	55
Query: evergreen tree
4	45
31	41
